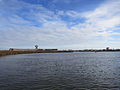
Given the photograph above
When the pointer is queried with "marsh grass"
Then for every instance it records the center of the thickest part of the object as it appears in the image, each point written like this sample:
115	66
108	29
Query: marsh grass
8	52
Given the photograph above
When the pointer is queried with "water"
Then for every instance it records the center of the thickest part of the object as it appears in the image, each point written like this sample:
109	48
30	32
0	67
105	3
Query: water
61	71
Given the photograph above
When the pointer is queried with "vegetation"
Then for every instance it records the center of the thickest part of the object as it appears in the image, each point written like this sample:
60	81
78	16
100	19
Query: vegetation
13	52
10	52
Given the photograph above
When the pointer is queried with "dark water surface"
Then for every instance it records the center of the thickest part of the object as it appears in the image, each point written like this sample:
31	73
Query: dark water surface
61	71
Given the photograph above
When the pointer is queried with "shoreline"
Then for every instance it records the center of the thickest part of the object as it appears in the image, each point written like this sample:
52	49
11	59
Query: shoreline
8	52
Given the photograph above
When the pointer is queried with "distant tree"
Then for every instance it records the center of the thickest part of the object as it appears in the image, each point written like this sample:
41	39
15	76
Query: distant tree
36	46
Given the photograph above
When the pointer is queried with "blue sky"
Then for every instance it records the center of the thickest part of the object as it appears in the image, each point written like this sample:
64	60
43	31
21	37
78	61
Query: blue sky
62	24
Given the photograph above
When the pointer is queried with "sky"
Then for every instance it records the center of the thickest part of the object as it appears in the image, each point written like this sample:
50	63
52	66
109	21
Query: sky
62	24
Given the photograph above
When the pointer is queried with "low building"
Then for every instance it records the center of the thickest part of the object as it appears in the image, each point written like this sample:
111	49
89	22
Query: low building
51	49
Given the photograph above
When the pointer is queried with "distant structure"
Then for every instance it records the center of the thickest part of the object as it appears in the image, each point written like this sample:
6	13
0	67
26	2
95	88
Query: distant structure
36	46
11	49
107	48
51	49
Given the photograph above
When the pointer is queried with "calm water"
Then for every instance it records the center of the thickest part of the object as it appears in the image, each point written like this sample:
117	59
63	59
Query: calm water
61	71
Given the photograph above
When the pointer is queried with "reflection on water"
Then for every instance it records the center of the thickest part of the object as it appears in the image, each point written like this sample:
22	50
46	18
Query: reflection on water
61	71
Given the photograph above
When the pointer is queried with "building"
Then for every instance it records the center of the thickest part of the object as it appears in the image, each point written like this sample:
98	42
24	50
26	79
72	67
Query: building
51	49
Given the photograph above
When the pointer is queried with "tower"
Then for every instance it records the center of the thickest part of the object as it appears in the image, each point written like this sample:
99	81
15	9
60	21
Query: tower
107	48
36	46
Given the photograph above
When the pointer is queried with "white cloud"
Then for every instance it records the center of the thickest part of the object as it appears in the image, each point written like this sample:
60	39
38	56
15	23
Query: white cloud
98	27
106	16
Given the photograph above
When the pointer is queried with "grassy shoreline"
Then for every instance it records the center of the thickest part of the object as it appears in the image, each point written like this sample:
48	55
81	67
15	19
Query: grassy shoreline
8	52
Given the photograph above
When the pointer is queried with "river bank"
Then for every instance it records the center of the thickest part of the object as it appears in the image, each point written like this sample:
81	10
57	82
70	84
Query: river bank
8	52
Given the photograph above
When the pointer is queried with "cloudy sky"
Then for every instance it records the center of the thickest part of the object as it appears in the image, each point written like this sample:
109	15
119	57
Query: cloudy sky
62	24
